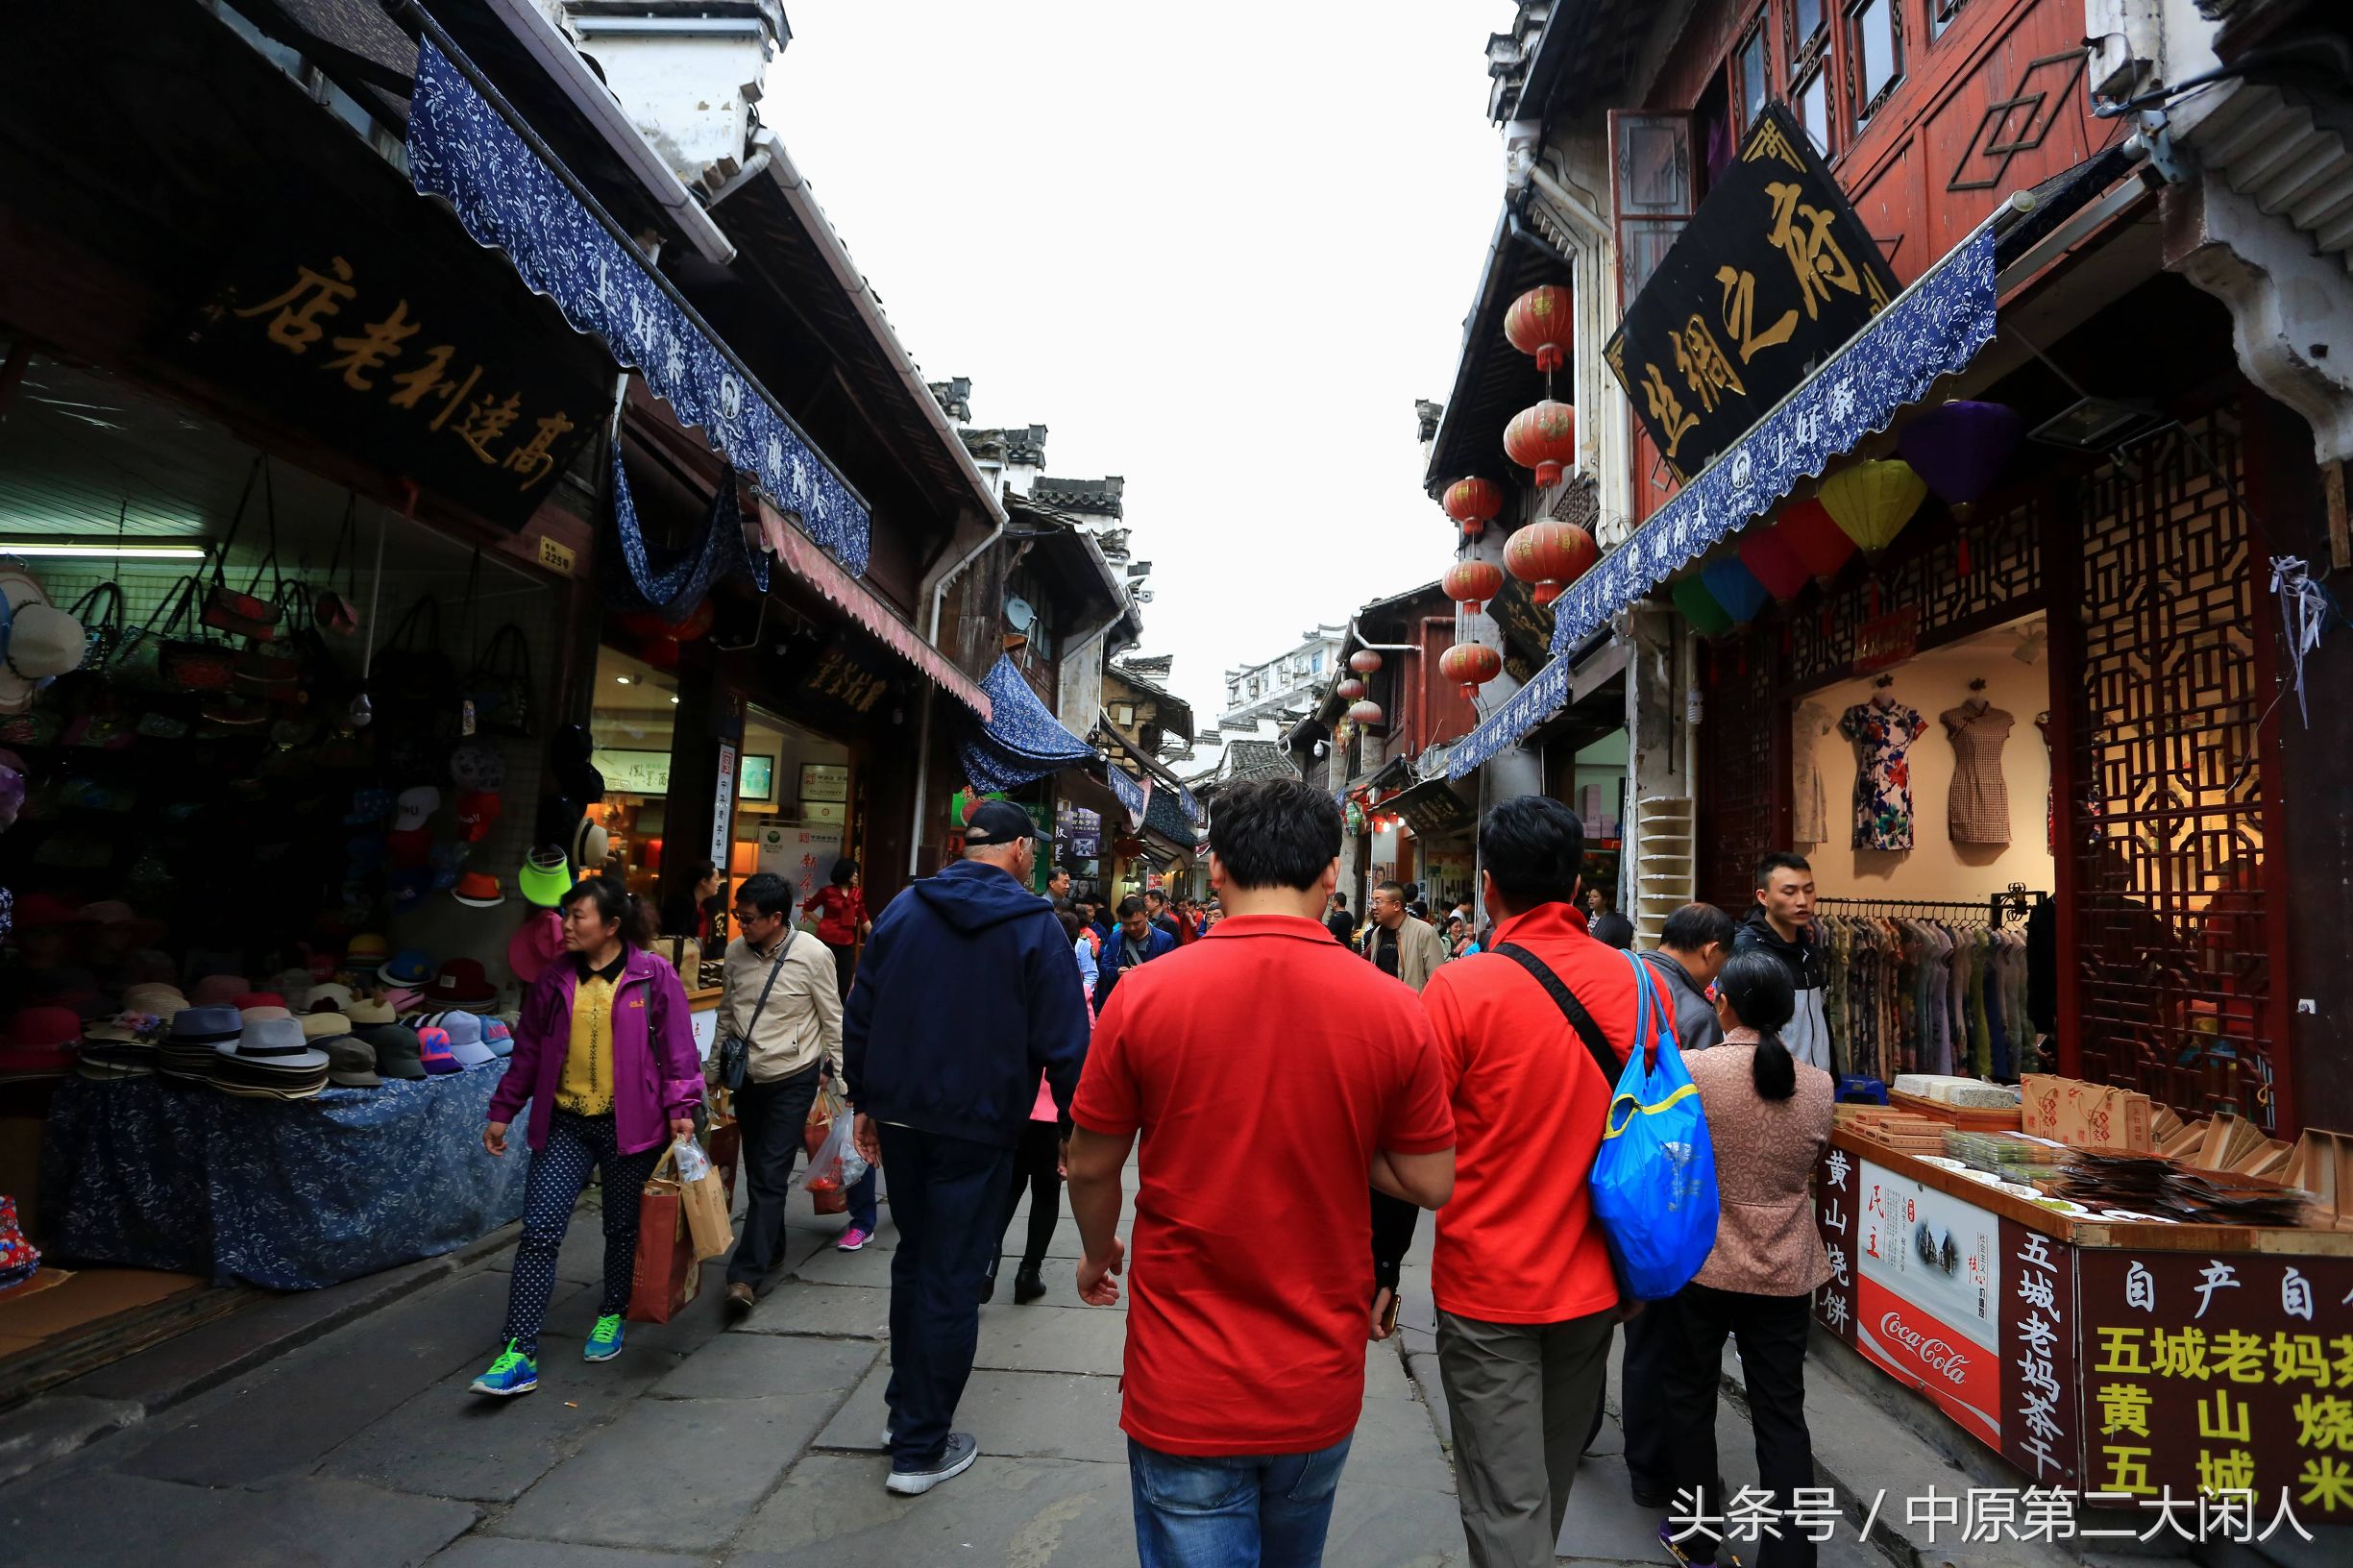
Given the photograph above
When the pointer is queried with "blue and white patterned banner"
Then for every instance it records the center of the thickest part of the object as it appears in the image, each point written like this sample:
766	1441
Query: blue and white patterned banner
674	590
1134	793
462	151
1022	740
1930	331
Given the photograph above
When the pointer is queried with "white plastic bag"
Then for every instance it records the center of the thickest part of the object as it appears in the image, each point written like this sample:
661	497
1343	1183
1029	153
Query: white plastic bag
837	1162
693	1163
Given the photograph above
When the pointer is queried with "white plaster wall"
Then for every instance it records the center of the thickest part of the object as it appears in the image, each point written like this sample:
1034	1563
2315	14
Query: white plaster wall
682	91
1936	867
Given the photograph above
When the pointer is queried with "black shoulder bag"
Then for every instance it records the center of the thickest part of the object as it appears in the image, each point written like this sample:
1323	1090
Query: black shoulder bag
1571	1008
735	1051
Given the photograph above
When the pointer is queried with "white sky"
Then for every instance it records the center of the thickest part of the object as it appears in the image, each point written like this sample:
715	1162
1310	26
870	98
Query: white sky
1217	248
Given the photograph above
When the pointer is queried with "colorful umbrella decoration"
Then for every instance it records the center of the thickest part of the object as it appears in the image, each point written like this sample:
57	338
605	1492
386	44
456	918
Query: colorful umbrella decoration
1700	608
1961	448
1815	536
1736	588
1774	562
1872	501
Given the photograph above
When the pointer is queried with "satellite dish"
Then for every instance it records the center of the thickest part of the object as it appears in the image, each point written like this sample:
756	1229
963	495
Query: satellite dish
1019	614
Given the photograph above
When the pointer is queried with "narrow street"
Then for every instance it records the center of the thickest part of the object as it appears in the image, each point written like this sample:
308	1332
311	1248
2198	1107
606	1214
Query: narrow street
760	1444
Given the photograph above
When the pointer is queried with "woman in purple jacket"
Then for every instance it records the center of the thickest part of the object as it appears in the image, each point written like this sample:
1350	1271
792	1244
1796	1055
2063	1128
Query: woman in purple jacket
606	1052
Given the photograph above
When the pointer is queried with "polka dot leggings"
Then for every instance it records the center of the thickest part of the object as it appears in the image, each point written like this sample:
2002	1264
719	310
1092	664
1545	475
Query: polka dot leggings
575	1145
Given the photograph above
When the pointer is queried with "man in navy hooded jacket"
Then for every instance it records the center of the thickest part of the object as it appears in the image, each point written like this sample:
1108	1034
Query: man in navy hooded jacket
967	993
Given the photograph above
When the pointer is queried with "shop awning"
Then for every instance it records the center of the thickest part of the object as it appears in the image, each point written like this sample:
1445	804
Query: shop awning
1931	331
1434	810
1020	741
1134	793
463	151
813	566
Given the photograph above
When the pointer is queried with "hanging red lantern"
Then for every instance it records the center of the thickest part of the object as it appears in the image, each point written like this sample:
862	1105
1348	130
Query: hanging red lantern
1364	712
1543	439
1349	690
1472	583
1365	661
1470	666
1817	538
1473	502
1539	322
1774	562
1551	554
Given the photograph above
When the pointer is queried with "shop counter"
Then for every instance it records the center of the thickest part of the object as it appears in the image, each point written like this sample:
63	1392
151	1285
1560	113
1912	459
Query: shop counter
2098	1357
287	1194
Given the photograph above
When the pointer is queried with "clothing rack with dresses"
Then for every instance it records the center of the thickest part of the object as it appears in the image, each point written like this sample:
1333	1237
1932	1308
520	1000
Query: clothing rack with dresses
1929	985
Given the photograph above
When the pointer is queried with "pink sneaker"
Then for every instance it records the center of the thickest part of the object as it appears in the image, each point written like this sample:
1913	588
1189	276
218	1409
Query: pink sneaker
853	1238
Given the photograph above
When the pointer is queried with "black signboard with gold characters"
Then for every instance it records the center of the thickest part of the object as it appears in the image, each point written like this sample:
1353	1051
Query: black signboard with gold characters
367	337
1772	274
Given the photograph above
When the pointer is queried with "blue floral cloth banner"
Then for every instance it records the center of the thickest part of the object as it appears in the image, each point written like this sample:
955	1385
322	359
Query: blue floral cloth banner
1930	331
1134	793
286	1194
673	591
1022	741
462	151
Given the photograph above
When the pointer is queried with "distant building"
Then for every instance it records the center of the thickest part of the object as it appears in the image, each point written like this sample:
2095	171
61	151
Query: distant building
1289	684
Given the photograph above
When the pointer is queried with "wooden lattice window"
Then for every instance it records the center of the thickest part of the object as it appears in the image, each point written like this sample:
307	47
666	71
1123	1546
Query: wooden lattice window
1736	770
2169	775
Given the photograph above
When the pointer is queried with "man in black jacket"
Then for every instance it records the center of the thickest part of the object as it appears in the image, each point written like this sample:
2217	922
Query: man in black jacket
1782	923
968	993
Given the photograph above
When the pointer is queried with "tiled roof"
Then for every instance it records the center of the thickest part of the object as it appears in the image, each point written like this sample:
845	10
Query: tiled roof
1098	497
1256	759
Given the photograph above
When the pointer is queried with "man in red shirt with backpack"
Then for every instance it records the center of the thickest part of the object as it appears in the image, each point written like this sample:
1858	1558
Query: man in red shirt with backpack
1522	1275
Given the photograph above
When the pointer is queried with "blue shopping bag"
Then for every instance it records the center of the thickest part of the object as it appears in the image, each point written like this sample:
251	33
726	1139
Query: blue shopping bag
1654	1180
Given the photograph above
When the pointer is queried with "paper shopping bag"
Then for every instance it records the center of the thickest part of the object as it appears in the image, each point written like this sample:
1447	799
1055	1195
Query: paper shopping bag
725	1143
706	1204
668	1275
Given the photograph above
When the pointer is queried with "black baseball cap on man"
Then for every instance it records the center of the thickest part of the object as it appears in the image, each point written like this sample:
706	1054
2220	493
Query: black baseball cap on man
998	822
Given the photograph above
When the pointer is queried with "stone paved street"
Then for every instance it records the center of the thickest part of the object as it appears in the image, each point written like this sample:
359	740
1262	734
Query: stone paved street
757	1444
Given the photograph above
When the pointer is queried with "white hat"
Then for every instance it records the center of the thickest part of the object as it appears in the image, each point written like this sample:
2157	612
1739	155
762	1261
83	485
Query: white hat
37	640
414	806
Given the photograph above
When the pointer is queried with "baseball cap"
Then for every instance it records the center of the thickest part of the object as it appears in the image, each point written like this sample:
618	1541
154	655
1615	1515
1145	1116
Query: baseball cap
999	822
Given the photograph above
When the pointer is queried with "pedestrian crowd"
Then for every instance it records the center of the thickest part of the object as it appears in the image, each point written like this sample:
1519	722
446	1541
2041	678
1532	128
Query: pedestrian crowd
994	1045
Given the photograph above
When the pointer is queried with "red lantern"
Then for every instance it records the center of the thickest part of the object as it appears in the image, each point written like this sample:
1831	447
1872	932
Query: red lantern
1349	690
1472	583
1816	537
1774	562
1470	666
1538	324
1365	713
1365	661
1543	439
1552	554
1472	502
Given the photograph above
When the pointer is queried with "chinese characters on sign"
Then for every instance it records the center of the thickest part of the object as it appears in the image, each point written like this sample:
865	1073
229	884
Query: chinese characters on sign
357	337
1772	274
2220	1374
2039	1430
840	677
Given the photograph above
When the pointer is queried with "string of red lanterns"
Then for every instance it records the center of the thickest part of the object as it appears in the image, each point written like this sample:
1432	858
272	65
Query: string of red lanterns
1473	502
1470	666
1472	583
1538	324
1544	438
1550	555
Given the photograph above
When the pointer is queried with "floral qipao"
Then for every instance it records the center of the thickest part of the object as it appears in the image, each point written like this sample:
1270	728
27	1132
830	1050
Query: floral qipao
1883	740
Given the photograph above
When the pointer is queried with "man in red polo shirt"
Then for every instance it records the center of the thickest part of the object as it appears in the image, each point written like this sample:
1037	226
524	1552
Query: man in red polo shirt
1522	1275
1263	1059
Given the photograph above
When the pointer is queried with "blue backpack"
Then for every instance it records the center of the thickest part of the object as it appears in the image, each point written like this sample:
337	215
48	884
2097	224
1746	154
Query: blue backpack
1654	1179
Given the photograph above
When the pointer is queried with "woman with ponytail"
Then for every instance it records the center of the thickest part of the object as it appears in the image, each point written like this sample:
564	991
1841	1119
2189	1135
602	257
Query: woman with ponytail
605	1052
1769	1120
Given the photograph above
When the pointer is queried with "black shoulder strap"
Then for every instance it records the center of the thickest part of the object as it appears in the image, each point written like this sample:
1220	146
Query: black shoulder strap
1570	1007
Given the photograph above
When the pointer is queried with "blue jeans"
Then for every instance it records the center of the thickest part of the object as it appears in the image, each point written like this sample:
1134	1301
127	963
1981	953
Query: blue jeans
861	1200
945	1193
1253	1510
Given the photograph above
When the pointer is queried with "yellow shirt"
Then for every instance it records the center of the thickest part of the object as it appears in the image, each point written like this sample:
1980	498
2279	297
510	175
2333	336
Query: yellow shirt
586	1088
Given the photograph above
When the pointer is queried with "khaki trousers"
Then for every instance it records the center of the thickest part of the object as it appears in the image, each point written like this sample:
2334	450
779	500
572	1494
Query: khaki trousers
1522	1396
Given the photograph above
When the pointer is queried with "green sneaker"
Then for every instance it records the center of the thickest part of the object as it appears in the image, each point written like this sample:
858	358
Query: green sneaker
512	1373
603	1341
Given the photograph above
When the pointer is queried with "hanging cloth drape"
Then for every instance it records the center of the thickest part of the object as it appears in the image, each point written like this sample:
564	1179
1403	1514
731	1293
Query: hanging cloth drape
1022	741
673	589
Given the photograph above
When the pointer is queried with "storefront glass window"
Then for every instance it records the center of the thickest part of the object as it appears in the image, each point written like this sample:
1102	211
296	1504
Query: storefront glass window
1755	75
793	808
1877	55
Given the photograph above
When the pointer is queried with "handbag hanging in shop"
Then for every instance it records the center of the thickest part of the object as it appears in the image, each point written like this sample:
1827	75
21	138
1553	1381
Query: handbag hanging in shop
244	614
500	685
101	614
413	673
335	611
191	663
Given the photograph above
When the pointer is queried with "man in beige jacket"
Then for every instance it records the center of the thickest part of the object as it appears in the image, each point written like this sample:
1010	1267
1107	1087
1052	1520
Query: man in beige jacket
781	995
1398	943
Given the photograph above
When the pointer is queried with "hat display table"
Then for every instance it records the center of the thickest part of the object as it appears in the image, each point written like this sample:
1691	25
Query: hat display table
289	1195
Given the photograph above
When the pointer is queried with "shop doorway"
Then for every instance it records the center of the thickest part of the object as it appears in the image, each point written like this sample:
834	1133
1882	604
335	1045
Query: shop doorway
795	806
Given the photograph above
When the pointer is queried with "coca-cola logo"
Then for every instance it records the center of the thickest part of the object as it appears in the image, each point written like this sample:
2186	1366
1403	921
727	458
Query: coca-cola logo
1933	1352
